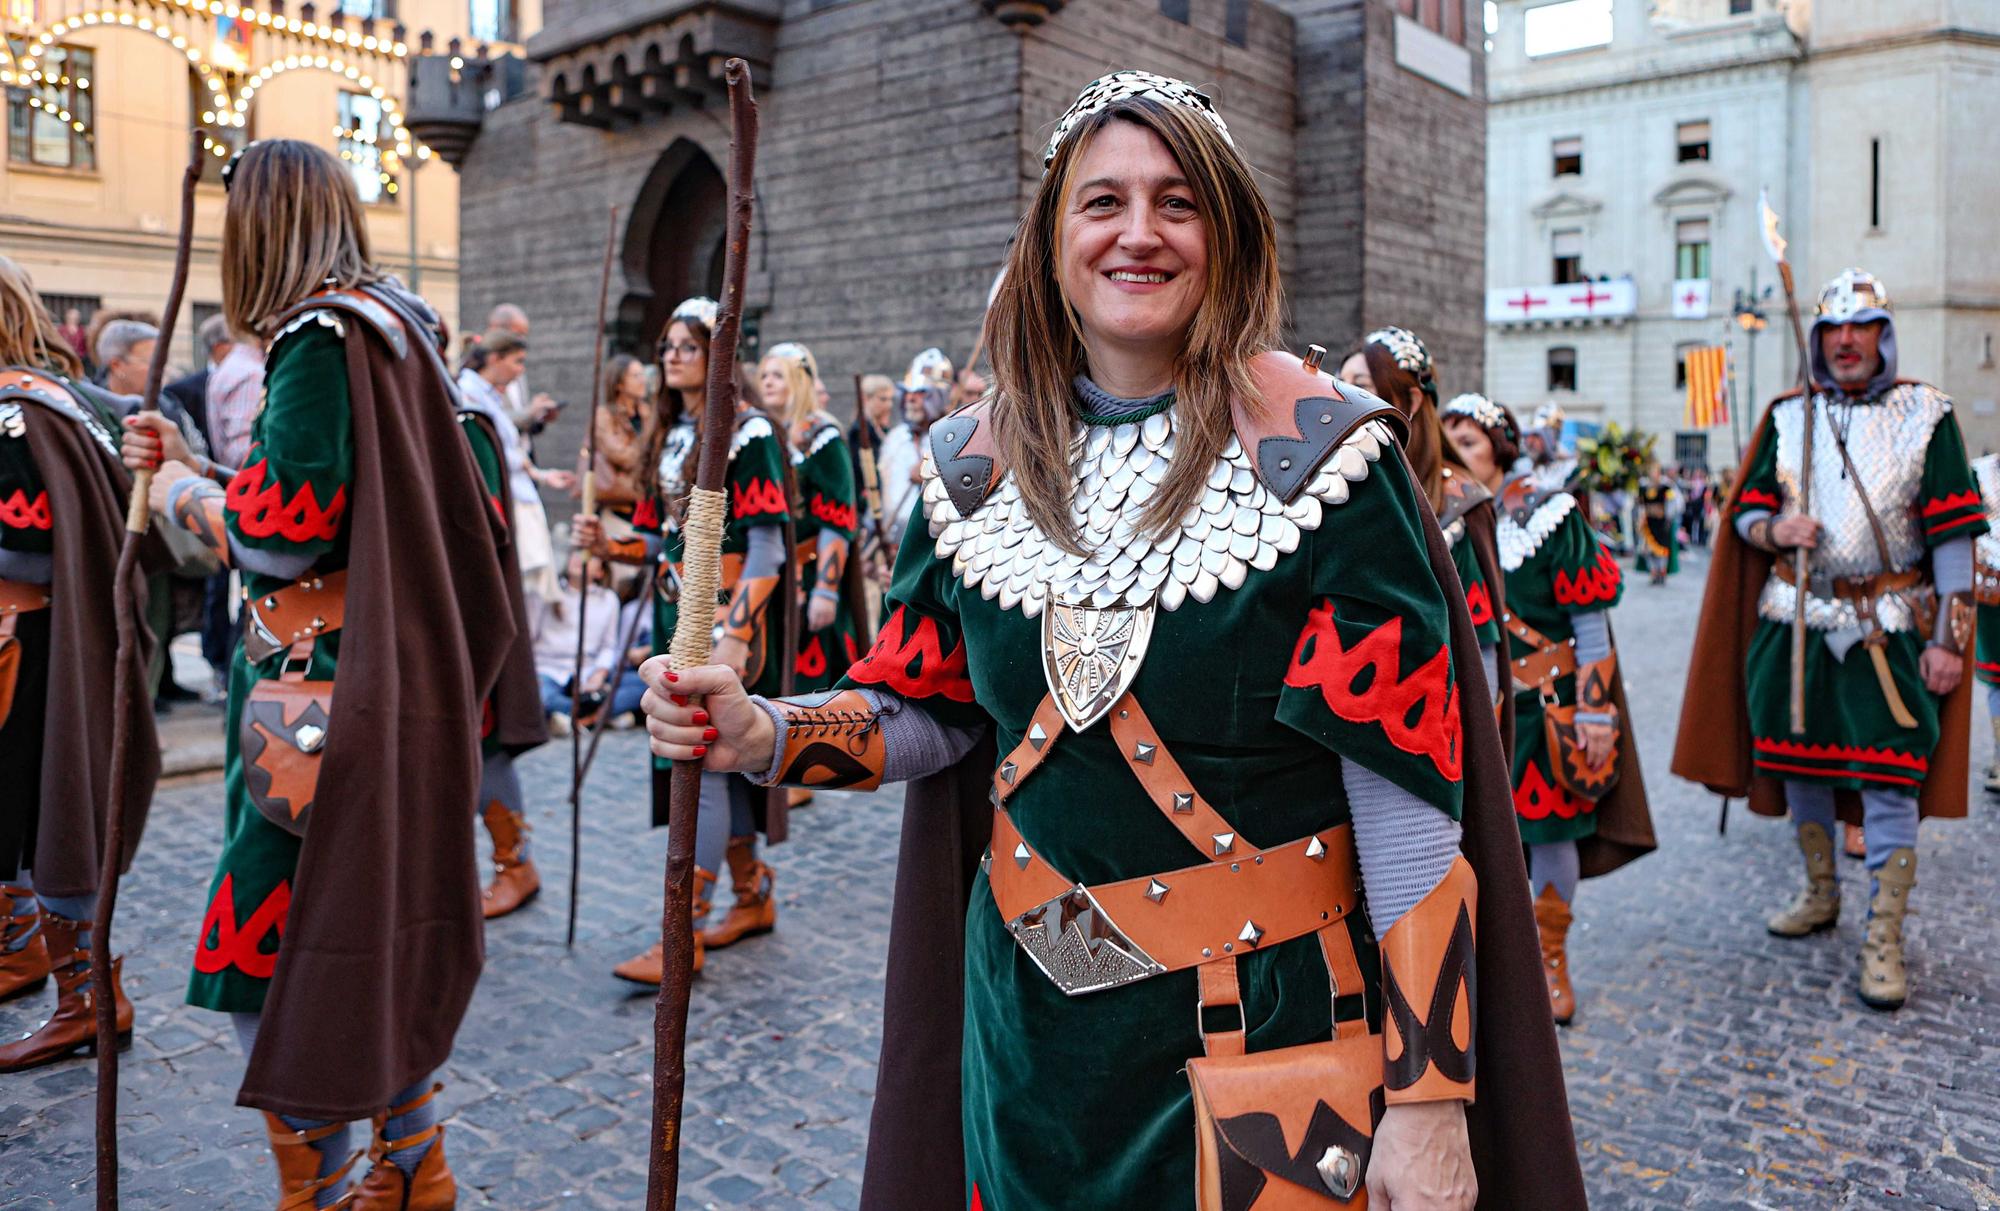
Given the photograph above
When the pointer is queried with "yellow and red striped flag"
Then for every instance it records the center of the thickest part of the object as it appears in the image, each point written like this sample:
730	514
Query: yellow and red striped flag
1708	387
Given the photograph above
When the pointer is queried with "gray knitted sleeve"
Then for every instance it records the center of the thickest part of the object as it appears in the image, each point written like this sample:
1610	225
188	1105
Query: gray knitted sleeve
1748	518
914	743
1405	845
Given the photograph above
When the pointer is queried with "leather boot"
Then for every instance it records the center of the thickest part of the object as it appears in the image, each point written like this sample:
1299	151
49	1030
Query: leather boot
798	796
299	1182
1993	770
388	1188
756	909
1552	918
73	1028
1884	983
650	968
26	969
1817	906
515	879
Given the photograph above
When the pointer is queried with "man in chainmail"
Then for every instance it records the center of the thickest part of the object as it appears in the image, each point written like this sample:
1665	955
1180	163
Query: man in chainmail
1885	514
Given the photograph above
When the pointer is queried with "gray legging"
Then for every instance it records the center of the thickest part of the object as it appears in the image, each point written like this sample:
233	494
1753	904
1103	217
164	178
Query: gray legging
727	809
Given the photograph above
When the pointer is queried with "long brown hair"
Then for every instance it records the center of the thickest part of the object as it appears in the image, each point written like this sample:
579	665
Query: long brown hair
28	335
1428	451
292	227
1037	346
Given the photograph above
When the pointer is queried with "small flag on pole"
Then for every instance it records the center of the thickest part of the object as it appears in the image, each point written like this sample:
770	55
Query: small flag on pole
1708	387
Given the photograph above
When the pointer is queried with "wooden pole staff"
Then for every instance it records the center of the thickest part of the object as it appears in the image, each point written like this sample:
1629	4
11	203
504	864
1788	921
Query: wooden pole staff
583	590
130	672
700	581
1801	557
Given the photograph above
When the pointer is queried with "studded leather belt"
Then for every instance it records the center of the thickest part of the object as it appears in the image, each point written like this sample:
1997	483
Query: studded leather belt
20	597
1851	588
1088	938
305	610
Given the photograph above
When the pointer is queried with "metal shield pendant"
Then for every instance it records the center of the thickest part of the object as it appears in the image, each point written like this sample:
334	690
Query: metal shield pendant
1090	656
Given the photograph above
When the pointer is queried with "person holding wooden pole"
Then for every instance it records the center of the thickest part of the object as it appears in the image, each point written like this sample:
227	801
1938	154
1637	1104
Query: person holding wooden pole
1886	603
62	521
343	926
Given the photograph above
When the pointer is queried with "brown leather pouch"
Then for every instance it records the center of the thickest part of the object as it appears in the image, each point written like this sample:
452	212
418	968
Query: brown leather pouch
1566	754
1286	1130
282	734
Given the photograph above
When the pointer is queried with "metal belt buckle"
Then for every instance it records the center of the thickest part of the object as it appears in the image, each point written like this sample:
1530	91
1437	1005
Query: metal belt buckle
1820	584
1078	946
259	644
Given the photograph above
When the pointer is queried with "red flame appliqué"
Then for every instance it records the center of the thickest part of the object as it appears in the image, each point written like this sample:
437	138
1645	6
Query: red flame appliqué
24	514
911	660
1537	799
1479	603
757	496
1362	684
832	512
1594	585
262	511
240	948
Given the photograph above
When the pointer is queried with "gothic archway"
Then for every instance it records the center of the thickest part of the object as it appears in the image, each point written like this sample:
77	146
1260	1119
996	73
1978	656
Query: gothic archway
673	243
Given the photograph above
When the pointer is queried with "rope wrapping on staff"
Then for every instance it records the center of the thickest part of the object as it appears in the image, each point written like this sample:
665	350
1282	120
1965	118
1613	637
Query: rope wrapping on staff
701	578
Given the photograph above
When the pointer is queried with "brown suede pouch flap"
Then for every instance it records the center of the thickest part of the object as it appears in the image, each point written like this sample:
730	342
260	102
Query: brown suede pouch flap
283	733
1286	1130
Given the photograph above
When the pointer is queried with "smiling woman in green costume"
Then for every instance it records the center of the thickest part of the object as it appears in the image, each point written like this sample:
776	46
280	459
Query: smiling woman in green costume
1186	585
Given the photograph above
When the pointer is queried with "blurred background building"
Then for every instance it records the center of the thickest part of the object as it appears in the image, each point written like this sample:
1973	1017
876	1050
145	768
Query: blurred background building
1628	142
101	96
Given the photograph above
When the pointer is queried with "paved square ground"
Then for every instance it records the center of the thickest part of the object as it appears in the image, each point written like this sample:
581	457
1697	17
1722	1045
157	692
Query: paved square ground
1710	1066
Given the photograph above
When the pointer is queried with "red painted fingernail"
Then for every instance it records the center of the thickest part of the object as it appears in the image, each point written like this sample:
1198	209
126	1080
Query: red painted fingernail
673	676
679	699
701	716
701	750
710	734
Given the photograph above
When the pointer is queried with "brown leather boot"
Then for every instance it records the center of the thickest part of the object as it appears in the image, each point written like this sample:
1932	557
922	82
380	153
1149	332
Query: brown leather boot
388	1188
798	796
299	1182
1817	905
650	968
756	909
26	969
515	879
1885	984
73	1028
1552	918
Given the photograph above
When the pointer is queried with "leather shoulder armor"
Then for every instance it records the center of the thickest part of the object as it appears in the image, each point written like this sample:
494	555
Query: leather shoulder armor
1462	494
369	309
966	455
1305	417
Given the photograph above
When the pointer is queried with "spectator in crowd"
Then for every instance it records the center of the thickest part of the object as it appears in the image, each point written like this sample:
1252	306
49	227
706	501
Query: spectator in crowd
499	360
635	624
530	411
75	336
98	323
625	422
124	350
190	392
554	621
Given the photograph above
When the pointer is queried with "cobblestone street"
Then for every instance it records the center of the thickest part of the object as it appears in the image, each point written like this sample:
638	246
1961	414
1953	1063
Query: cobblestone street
1710	1065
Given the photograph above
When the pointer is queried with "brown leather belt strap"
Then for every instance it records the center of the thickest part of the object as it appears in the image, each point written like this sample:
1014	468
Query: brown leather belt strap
1343	967
1546	663
1168	785
1219	990
307	609
1043	730
1198	914
1856	588
20	597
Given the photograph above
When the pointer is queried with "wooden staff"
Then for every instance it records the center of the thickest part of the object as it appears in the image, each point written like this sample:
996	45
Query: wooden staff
701	579
130	672
583	590
1801	556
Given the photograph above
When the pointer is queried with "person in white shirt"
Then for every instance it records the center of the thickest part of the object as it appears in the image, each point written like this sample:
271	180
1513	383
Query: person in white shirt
553	622
497	362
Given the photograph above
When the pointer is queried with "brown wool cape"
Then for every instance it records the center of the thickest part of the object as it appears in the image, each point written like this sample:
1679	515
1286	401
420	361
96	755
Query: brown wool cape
518	723
383	943
1624	819
1713	747
87	487
1522	1144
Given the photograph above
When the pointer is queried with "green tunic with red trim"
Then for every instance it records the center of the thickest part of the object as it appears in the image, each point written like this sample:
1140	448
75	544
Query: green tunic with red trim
1986	577
1478	598
1659	527
825	473
289	502
1332	646
1556	568
756	487
493	474
1852	740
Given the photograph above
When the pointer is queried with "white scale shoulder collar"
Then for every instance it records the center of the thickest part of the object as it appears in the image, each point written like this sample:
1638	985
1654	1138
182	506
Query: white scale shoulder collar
1236	525
1520	536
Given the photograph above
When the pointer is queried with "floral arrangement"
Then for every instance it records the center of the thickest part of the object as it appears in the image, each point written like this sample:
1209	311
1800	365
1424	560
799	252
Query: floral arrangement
1613	459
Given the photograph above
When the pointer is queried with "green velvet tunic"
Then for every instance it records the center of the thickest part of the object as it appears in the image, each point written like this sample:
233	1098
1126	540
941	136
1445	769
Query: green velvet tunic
1852	741
290	499
493	474
1559	569
1338	650
825	473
